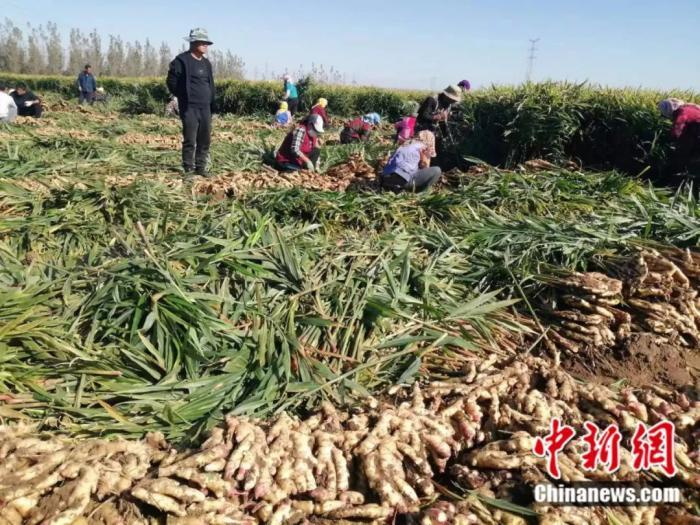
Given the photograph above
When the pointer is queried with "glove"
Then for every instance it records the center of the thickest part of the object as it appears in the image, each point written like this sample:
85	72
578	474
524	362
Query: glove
310	166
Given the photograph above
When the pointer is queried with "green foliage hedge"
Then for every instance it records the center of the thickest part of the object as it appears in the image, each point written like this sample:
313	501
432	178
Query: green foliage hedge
603	128
597	127
239	97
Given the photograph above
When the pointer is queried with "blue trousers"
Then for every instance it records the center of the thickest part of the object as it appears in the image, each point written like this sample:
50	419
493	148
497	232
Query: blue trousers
87	96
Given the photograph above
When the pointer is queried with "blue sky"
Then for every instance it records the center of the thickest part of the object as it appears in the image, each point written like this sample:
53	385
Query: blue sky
418	44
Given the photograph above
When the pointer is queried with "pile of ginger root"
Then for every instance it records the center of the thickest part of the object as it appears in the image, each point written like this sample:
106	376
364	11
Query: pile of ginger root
380	461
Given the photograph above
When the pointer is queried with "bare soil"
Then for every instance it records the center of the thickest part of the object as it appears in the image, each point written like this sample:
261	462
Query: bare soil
642	362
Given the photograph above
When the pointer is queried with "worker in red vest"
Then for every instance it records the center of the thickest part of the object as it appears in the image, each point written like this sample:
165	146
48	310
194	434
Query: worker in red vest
300	150
320	109
358	129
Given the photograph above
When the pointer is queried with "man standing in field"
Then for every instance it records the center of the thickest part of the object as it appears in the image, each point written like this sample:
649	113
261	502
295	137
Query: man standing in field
87	85
191	80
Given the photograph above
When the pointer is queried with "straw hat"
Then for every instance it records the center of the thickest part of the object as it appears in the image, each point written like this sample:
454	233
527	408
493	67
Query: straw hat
453	92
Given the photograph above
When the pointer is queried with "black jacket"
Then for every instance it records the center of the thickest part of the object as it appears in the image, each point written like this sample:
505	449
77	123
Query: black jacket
425	114
178	80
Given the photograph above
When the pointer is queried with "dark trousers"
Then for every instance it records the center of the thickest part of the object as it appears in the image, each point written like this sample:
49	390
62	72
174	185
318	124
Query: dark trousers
87	96
425	125
348	136
421	180
196	138
687	151
293	104
292	166
32	111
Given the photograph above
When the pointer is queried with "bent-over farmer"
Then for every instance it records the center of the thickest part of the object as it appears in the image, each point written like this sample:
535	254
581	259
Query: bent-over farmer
685	131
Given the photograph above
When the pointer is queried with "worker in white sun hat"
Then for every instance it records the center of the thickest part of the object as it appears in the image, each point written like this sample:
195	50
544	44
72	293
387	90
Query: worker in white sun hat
291	94
685	133
101	95
300	148
8	108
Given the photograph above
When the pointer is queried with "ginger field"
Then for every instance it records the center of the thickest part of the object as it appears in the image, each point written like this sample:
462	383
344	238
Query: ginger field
262	348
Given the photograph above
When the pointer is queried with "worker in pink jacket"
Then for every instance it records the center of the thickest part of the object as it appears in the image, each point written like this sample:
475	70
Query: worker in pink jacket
406	127
685	130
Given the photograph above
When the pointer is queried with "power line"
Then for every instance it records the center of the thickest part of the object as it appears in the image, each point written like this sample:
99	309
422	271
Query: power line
531	58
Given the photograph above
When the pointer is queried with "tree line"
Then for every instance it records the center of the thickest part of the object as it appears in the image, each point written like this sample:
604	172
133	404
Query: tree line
40	50
317	72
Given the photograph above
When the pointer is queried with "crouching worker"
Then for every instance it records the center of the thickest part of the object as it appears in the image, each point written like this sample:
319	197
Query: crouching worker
406	127
320	109
283	117
409	167
101	95
8	108
299	150
685	131
28	104
359	129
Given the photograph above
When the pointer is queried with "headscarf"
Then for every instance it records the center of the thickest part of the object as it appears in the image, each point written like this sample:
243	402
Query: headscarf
284	106
372	118
428	138
411	108
288	78
322	102
668	106
465	85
